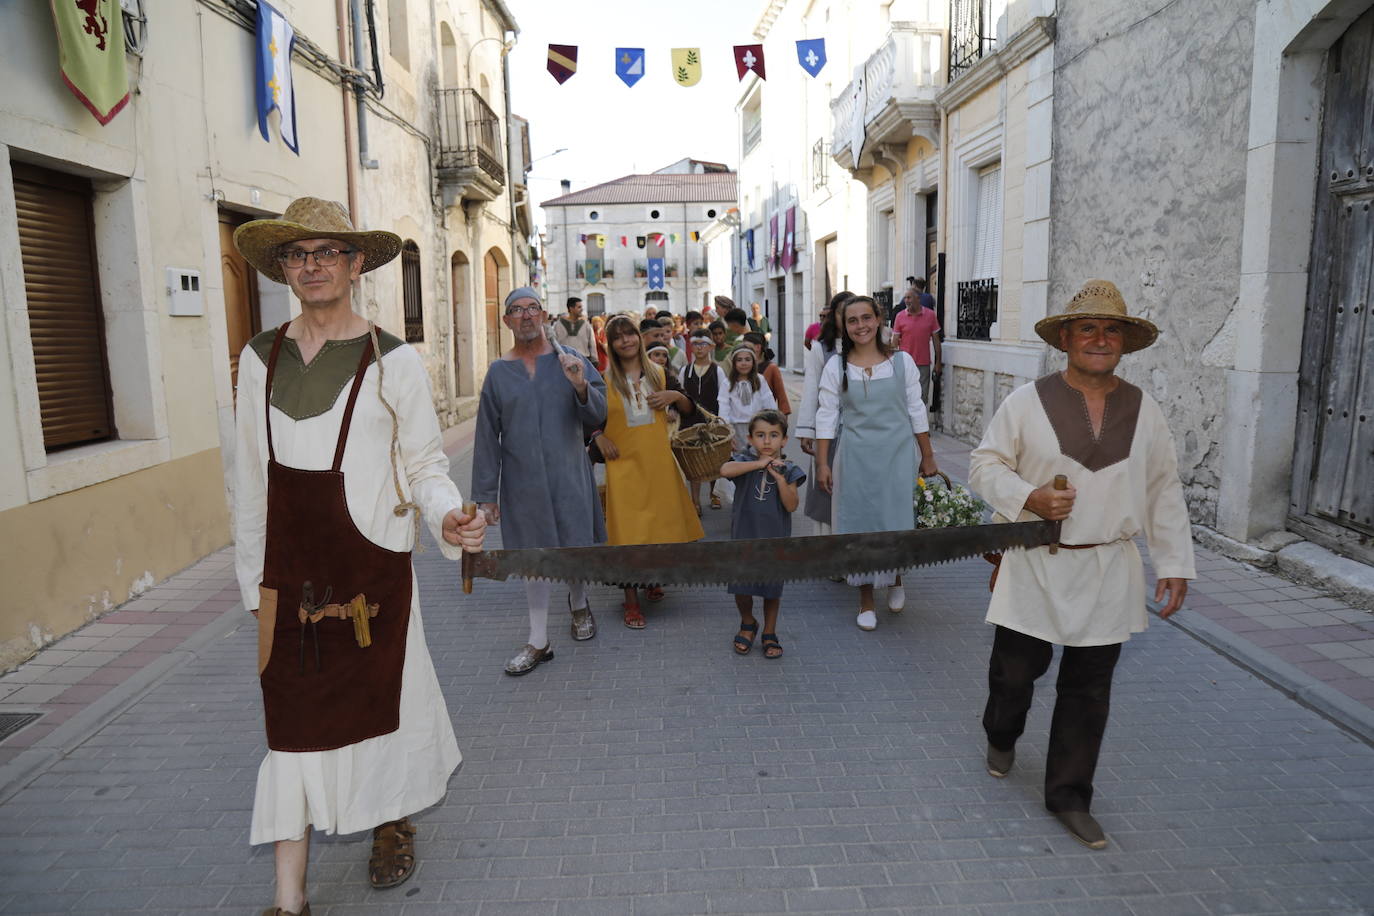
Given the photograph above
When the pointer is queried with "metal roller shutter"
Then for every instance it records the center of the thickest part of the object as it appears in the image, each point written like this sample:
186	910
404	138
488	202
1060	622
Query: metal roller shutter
58	254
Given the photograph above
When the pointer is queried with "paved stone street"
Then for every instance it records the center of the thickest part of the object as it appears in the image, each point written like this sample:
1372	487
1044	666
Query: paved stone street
656	772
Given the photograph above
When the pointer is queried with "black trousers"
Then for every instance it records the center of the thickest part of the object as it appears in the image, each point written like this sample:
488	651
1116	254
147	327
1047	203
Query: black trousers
1080	711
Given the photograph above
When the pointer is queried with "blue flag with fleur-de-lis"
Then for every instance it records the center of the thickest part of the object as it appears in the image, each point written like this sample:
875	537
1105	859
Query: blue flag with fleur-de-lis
273	85
629	64
811	55
655	273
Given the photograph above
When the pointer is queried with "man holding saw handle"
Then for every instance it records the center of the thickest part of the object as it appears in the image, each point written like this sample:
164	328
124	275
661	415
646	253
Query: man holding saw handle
1087	591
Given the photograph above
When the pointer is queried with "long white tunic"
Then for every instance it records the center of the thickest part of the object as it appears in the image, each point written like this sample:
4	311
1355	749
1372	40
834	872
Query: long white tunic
1082	597
362	785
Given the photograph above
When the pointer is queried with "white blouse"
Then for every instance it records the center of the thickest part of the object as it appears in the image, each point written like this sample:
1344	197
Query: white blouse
739	402
828	408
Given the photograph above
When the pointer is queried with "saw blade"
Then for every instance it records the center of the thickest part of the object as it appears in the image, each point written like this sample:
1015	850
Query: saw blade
792	559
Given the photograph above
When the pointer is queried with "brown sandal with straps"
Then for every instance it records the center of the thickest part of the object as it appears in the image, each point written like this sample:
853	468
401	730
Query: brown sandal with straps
393	854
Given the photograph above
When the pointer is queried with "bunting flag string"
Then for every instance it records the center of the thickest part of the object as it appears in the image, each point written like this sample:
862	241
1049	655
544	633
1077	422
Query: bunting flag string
686	62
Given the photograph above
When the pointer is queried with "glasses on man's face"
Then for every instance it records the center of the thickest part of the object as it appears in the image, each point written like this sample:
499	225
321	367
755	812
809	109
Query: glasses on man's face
528	311
324	257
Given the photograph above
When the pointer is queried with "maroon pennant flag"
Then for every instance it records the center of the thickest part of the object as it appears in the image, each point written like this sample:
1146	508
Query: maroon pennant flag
749	57
562	61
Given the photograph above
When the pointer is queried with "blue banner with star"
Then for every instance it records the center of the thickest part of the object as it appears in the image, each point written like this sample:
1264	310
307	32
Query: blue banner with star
655	273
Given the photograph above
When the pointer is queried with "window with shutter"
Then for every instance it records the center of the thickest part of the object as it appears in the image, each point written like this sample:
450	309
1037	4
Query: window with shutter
57	249
987	232
410	292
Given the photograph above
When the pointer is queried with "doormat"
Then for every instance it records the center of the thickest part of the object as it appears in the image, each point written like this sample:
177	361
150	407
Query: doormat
11	722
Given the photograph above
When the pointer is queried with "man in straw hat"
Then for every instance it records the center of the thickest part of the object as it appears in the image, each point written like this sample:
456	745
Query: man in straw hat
1110	440
530	470
357	731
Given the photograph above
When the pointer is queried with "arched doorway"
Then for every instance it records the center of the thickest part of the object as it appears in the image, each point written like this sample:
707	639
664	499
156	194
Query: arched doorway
460	286
496	284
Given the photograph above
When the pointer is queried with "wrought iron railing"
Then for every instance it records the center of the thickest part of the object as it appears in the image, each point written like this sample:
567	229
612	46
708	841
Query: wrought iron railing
469	133
977	309
884	298
970	34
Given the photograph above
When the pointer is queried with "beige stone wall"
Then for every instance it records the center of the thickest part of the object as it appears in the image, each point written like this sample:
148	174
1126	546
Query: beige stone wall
71	558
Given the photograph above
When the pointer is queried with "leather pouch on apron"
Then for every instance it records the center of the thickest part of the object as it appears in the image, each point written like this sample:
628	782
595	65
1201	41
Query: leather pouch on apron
267	624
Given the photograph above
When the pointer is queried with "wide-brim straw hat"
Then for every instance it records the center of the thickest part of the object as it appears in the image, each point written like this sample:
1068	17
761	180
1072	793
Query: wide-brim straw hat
1099	299
311	218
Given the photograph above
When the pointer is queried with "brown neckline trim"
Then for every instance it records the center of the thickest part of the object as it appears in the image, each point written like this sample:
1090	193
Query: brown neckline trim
1067	411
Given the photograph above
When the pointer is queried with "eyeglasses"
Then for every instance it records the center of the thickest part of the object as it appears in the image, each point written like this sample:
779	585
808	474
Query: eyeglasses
527	310
324	257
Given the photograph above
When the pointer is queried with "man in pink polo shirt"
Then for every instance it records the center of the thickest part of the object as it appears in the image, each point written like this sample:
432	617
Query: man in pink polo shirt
917	329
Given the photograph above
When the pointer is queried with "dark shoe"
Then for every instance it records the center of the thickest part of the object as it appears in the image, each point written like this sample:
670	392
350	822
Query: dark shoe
771	647
744	644
393	854
278	911
1083	827
999	762
583	623
527	659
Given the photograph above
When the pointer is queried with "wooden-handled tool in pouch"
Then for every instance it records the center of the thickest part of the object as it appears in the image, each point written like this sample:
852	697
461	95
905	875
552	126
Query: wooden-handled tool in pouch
1060	483
469	509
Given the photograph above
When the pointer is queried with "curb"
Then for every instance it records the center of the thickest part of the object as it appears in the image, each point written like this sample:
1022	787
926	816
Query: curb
1349	714
71	734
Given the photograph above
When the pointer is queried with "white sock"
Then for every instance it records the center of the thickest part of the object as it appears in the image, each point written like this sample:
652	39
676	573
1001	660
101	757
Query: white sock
577	595
537	595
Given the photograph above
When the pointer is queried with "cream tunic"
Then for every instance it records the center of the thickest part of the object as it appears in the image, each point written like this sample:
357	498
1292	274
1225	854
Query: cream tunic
381	779
1082	597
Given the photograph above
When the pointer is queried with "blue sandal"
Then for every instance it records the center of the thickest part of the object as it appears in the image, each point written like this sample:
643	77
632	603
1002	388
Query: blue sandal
742	645
770	641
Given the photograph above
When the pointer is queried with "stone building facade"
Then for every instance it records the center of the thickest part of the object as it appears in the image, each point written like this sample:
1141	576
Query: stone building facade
591	240
92	517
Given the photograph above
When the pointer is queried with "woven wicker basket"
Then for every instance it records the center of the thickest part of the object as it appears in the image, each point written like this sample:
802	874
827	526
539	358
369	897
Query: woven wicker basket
701	450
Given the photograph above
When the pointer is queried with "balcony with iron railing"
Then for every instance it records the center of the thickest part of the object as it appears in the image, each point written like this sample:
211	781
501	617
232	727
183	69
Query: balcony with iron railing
468	156
971	30
897	101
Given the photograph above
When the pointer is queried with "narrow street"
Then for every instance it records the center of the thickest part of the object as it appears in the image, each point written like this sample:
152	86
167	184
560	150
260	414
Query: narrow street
656	772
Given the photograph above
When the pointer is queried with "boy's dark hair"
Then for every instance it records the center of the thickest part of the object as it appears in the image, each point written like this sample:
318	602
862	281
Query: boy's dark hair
649	324
693	316
755	337
737	316
775	417
701	333
573	300
919	283
663	313
717	325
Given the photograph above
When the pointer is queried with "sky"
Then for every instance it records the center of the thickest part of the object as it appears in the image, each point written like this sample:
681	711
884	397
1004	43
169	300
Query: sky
610	129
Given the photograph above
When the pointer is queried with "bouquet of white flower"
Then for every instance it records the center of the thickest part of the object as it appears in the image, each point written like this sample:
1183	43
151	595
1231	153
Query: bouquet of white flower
945	506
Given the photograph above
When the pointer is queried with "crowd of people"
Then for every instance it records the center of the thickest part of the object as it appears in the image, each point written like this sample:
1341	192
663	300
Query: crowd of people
340	461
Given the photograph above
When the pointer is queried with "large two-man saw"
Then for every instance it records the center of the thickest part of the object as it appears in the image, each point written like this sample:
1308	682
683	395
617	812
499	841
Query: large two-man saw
791	559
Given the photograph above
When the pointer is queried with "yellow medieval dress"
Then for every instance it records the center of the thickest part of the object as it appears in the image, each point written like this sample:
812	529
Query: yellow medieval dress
646	496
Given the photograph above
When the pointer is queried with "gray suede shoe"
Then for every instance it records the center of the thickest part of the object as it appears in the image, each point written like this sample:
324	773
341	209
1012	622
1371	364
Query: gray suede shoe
527	659
1083	827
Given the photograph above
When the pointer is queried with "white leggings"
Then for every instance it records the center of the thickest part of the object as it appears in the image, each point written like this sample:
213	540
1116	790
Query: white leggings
537	593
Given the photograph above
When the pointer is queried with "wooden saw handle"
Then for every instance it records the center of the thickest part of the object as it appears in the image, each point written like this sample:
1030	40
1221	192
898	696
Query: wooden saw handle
1060	483
469	509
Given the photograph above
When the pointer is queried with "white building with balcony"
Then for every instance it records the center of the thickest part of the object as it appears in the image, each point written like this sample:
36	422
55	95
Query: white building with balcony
600	242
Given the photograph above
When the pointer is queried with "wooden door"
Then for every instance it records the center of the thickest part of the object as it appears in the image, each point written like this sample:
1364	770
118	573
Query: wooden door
1333	498
241	320
491	271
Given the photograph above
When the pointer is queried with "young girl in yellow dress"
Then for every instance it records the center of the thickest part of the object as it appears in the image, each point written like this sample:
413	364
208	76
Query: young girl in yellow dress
634	442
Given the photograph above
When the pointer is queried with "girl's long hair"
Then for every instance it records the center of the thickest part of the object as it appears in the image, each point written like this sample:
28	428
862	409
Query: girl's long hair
846	345
620	326
734	376
830	328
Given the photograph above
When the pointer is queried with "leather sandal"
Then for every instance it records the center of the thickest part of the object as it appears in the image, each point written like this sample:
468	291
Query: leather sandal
770	644
278	911
743	644
393	854
634	617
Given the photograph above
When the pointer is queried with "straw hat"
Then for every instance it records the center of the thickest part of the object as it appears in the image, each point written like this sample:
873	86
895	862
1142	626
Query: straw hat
1099	299
310	218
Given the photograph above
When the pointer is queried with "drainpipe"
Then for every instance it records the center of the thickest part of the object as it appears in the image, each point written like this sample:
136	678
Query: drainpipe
359	91
350	166
566	186
510	173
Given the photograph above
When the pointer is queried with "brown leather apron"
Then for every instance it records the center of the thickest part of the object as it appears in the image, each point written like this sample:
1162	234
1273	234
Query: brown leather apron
320	688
